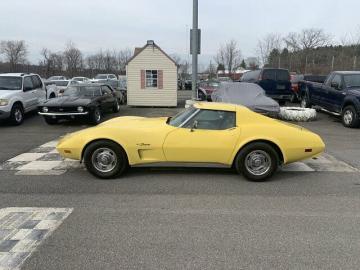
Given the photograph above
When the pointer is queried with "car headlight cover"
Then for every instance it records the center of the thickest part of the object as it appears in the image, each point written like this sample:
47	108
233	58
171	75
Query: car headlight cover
4	102
45	109
80	109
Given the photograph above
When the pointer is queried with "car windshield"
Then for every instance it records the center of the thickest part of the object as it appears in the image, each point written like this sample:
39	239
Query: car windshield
61	83
101	77
179	119
10	83
88	91
79	79
352	80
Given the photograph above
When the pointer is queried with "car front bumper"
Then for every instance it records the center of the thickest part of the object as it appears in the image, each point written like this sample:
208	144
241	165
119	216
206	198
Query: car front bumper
4	114
63	114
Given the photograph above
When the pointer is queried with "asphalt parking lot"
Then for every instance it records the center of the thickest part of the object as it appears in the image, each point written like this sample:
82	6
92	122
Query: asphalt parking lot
181	218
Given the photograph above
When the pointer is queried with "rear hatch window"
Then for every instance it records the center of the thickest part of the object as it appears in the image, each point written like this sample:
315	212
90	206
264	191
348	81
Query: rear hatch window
282	75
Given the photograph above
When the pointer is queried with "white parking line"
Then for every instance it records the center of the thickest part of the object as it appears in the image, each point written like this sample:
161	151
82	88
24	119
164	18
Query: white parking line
45	160
22	230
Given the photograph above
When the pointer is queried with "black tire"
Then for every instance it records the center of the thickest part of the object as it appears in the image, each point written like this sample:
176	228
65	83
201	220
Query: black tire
350	117
52	95
201	95
244	154
51	121
95	116
90	160
17	115
116	107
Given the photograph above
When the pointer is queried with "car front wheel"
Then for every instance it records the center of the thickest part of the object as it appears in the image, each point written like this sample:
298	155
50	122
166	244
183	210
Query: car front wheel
105	159
257	161
95	116
17	115
350	117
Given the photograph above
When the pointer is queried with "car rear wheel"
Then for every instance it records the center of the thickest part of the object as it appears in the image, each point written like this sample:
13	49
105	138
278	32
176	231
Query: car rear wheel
350	117
105	159
95	116
17	115
257	161
116	107
51	121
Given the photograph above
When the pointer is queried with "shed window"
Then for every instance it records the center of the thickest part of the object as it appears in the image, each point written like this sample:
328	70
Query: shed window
151	78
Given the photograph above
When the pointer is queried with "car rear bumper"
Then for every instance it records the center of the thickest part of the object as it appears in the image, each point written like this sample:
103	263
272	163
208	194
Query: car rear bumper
281	97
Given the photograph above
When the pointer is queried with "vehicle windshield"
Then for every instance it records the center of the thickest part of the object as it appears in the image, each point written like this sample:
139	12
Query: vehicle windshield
61	83
179	119
88	91
10	83
79	79
352	80
101	77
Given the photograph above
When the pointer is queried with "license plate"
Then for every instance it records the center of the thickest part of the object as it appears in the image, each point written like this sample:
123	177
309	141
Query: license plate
280	87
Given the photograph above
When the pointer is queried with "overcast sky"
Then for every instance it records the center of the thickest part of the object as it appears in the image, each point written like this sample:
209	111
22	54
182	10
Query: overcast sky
95	24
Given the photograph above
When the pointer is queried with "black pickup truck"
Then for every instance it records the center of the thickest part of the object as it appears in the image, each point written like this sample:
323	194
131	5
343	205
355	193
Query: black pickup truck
339	95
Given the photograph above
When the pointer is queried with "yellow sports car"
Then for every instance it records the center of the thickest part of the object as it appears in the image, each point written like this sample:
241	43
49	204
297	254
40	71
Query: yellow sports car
206	134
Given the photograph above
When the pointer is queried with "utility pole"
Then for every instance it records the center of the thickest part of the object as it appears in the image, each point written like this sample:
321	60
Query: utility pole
195	48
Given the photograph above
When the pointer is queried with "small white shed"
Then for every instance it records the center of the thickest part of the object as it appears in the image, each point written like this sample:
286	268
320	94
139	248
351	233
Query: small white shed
151	78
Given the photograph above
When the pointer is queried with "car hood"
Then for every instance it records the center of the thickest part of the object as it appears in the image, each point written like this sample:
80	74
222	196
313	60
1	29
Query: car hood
8	93
135	122
355	92
68	101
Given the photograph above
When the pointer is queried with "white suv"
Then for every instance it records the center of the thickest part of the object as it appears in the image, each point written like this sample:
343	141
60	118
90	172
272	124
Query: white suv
21	93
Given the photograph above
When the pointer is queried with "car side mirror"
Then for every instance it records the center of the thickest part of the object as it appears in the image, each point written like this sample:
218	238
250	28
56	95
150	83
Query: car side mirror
194	126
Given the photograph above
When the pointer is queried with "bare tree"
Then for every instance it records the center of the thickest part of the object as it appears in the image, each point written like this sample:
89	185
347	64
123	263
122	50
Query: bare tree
229	55
73	59
267	45
123	56
52	63
307	39
15	52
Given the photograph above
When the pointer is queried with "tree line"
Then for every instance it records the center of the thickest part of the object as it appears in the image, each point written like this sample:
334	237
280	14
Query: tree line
69	62
310	51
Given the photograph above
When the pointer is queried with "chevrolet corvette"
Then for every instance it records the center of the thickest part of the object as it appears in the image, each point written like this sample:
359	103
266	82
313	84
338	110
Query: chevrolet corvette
206	134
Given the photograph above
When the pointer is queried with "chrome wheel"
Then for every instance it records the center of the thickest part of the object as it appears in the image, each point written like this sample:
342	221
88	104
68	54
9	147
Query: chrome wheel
258	162
18	115
97	115
348	117
104	160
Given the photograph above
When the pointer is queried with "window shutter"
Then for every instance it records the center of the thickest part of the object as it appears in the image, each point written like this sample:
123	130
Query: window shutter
142	79
160	79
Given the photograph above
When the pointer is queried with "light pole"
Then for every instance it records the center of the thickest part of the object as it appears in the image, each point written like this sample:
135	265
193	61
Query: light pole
195	48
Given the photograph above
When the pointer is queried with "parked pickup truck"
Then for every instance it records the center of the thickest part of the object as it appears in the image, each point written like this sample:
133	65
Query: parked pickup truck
21	93
339	95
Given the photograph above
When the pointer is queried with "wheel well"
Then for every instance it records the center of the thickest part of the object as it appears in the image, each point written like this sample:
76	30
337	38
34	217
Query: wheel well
18	103
52	95
98	140
348	103
274	145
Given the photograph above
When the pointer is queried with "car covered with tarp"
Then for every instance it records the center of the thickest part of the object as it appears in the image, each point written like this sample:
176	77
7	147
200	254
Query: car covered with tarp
249	95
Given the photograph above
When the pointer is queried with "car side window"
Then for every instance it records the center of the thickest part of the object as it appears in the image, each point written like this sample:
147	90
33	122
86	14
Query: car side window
212	120
28	84
37	82
336	82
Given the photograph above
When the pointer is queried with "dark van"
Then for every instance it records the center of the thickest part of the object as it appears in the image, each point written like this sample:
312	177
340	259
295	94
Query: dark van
276	82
